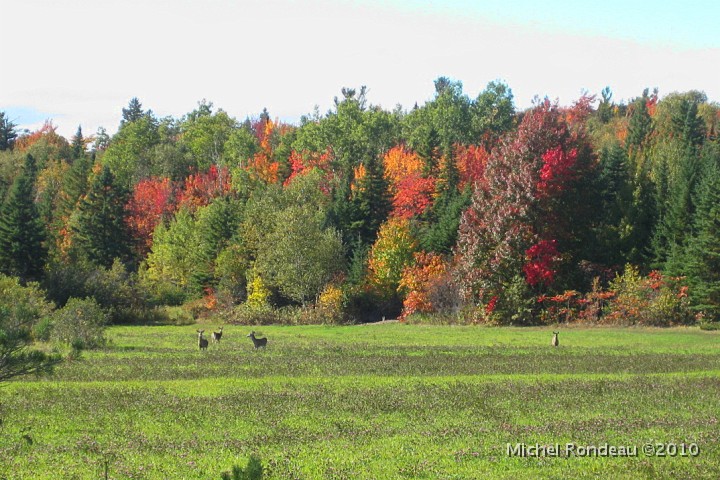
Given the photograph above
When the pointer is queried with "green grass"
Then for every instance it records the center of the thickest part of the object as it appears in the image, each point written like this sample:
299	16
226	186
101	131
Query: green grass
380	401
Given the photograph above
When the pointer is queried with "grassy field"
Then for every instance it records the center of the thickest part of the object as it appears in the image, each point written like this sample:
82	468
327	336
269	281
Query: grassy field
375	402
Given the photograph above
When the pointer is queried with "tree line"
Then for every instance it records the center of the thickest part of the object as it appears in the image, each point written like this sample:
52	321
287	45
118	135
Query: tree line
462	208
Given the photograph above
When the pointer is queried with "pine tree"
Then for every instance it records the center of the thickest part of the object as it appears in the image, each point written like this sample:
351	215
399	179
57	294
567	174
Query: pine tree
22	252
102	234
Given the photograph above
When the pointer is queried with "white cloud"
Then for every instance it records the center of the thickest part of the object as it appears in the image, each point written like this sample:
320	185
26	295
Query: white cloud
86	59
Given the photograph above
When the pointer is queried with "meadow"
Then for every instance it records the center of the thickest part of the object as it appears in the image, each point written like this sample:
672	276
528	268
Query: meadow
369	402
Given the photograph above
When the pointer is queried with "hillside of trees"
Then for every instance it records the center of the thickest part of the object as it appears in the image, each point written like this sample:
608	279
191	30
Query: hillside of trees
462	209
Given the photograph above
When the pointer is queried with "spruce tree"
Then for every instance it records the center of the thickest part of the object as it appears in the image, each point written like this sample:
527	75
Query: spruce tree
7	133
78	144
102	234
370	203
133	112
702	257
22	234
439	233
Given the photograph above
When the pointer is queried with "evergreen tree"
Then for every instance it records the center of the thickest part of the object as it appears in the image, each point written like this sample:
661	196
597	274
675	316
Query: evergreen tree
702	258
102	234
370	203
78	144
615	197
676	193
133	112
7	133
640	123
440	230
22	252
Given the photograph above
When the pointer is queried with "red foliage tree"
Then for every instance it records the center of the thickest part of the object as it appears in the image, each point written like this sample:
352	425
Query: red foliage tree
471	161
152	200
303	162
520	219
413	196
201	188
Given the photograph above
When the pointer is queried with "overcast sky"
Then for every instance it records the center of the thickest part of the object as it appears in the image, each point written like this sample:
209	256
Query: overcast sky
79	62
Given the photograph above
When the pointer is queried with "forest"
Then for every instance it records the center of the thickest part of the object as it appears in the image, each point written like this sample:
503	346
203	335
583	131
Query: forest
462	210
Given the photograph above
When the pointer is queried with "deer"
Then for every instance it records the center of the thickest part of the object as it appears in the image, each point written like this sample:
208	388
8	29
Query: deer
555	342
216	336
202	342
258	342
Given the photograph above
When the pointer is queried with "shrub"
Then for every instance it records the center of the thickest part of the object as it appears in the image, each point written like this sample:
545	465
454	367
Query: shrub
24	306
655	300
177	315
114	289
80	323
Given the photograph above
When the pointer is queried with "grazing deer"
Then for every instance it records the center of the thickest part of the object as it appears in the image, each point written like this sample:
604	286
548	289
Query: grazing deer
258	342
216	336
202	342
555	342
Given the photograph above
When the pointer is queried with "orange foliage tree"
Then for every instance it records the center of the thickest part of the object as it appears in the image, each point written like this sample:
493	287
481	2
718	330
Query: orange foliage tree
48	133
262	164
417	280
411	190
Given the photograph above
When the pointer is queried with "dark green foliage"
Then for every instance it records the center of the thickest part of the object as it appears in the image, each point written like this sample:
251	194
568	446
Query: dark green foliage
369	204
7	133
78	144
133	112
252	471
22	234
702	257
614	204
101	232
640	123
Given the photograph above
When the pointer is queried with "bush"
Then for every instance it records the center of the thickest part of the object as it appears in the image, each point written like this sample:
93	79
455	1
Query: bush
80	323
248	314
655	300
24	306
177	315
114	289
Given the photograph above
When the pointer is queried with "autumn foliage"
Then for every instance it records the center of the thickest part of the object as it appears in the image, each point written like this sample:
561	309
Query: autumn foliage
151	201
200	188
418	279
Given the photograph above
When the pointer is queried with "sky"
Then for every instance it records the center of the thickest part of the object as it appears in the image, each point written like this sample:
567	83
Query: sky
79	62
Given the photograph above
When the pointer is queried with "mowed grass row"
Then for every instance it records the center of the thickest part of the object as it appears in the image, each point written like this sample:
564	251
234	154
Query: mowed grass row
381	401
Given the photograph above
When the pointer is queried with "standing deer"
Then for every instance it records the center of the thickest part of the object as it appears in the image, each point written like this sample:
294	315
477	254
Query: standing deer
555	342
216	336
202	342
258	342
